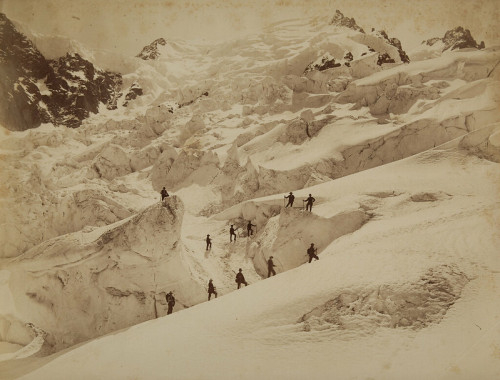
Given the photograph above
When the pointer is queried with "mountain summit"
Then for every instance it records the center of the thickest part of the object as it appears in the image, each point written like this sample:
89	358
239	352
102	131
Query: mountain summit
457	38
340	20
151	51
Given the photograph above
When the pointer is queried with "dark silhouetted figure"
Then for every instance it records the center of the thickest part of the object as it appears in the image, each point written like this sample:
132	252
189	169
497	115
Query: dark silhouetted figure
231	234
311	251
309	202
240	279
270	267
170	302
291	198
209	242
211	290
249	228
163	193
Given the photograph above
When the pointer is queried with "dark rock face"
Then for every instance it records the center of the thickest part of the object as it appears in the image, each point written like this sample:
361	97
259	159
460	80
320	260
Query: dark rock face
326	63
384	58
19	96
348	58
151	51
329	62
431	41
458	38
78	88
134	91
340	20
397	44
34	90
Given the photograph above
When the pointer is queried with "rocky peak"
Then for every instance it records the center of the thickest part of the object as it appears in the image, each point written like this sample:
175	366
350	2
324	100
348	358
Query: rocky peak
457	38
394	42
151	51
340	20
74	67
460	38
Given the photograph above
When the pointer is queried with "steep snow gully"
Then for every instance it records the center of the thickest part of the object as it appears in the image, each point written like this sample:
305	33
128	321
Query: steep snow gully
401	155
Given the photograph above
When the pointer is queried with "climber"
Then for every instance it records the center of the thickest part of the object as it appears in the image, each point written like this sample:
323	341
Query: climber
170	302
309	202
232	233
211	289
240	279
249	228
270	267
311	251
291	198
209	242
163	193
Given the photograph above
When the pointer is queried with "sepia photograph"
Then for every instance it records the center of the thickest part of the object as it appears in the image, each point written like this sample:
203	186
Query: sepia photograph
249	190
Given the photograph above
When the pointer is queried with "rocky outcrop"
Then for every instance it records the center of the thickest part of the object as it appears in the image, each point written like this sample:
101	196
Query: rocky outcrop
134	91
36	90
151	51
327	61
323	63
77	88
340	20
21	66
394	42
384	58
457	38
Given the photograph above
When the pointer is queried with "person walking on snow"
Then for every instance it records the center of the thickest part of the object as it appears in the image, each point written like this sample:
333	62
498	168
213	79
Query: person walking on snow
240	279
291	198
170	302
270	267
311	251
209	242
163	193
211	289
249	228
309	202
231	234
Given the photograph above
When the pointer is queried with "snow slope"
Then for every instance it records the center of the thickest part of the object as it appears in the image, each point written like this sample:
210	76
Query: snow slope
431	243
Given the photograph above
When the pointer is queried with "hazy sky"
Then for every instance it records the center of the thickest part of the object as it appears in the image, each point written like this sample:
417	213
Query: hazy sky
127	25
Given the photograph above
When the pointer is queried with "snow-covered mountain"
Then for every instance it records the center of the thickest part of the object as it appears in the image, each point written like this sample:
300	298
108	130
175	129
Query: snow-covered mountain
401	155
